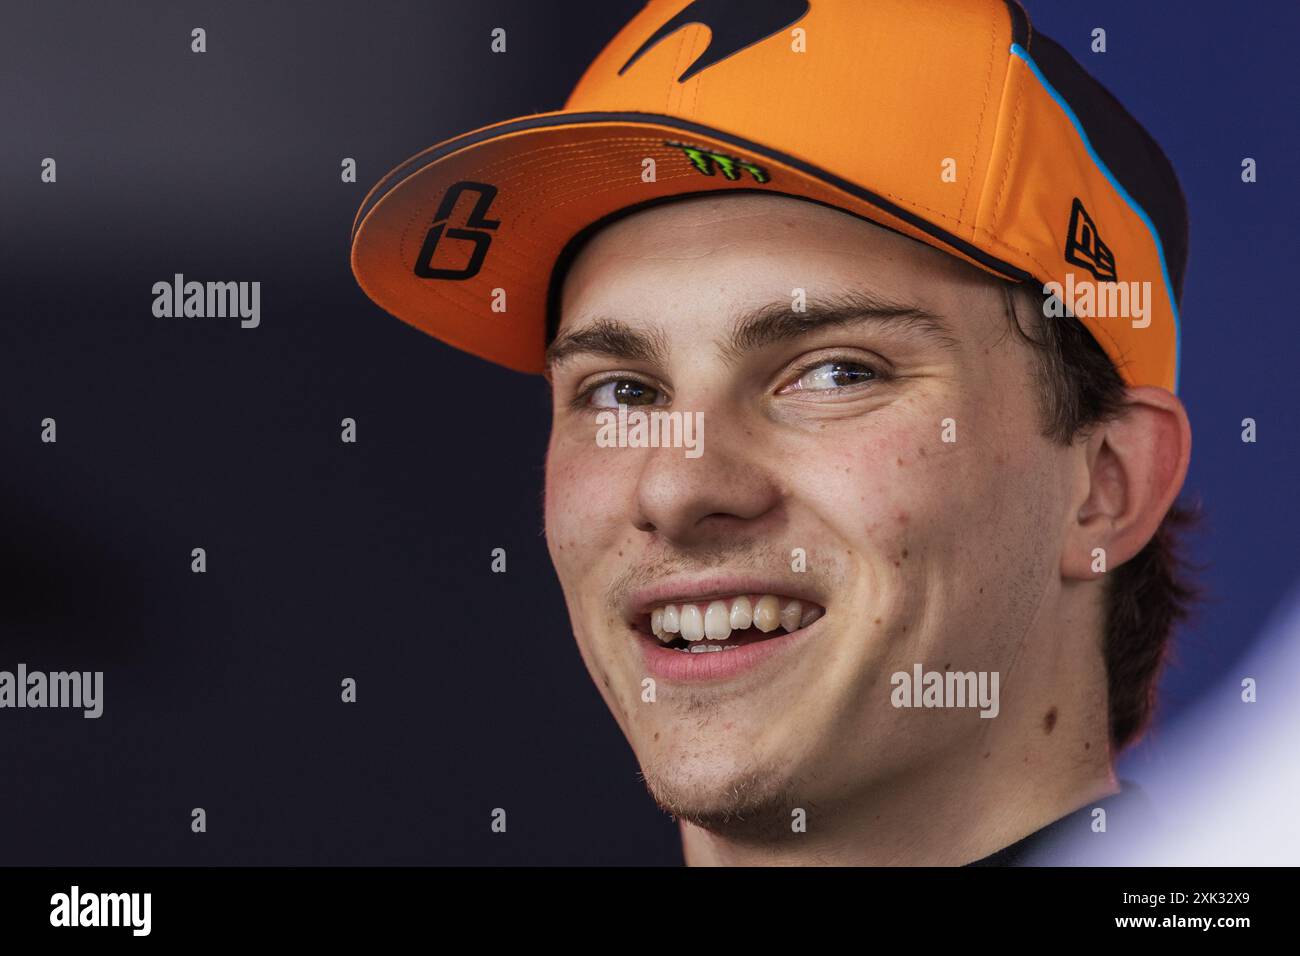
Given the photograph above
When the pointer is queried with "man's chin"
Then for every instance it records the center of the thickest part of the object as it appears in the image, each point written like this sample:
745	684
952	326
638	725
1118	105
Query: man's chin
726	798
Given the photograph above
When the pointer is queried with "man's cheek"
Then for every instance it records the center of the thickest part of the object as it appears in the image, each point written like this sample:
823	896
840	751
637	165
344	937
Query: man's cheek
888	490
587	494
564	479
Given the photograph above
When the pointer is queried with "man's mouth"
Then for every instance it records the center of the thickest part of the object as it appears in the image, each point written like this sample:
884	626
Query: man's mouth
727	623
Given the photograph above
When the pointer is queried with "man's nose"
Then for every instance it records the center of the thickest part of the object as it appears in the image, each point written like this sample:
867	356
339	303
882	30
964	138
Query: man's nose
689	501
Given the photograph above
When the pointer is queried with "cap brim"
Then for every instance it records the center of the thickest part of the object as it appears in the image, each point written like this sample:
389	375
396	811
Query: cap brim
514	195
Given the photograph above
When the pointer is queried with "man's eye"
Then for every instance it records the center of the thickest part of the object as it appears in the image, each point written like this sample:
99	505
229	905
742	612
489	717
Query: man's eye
624	391
832	375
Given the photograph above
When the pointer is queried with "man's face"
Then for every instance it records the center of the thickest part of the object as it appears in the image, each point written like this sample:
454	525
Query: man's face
821	438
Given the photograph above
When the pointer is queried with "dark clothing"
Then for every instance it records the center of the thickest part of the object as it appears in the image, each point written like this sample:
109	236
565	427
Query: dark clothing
1071	841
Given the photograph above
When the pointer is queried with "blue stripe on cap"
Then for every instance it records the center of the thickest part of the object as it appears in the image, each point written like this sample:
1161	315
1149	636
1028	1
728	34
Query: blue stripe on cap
1020	51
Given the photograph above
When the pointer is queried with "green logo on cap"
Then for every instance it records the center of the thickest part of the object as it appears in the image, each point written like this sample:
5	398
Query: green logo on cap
706	161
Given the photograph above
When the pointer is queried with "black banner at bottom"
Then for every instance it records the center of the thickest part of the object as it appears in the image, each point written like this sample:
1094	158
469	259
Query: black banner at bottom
235	904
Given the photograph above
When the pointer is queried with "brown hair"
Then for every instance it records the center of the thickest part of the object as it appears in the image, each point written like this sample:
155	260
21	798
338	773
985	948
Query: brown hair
1147	596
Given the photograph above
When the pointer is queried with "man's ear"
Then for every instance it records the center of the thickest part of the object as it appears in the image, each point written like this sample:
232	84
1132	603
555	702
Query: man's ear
1135	466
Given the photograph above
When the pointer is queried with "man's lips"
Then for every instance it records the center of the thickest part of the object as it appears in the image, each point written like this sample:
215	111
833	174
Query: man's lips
707	660
717	627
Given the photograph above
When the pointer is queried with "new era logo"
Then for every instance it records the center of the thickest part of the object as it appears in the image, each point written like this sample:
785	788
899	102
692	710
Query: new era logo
1083	245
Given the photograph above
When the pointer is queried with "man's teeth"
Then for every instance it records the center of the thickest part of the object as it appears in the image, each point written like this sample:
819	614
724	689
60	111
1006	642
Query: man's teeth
716	620
767	613
692	622
742	614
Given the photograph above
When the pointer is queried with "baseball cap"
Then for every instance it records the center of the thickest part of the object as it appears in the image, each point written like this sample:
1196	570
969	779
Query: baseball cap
952	122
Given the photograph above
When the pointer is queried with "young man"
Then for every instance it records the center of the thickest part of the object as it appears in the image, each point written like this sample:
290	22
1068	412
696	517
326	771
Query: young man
865	540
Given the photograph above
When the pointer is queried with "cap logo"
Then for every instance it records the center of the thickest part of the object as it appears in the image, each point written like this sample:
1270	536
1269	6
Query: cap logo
706	161
477	229
1083	245
734	25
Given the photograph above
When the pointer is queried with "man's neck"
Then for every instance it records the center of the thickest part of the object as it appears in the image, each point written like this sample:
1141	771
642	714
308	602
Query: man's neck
918	823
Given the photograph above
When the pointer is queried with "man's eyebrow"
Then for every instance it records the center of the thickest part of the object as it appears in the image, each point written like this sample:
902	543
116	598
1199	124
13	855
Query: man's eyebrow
779	322
611	339
754	329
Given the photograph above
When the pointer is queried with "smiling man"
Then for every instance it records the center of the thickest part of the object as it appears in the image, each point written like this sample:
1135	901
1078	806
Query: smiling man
826	437
910	597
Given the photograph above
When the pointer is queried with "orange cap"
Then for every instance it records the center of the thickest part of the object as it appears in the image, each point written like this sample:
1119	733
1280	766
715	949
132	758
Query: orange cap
950	122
